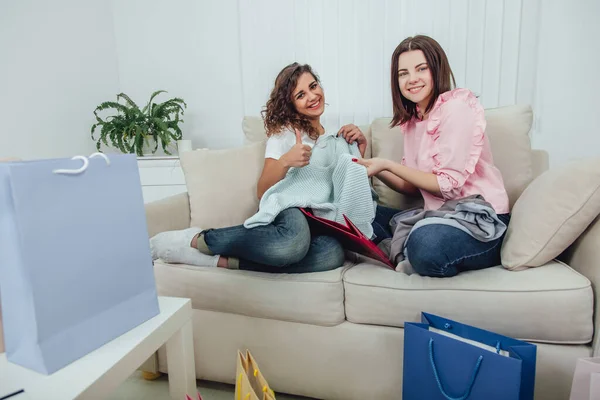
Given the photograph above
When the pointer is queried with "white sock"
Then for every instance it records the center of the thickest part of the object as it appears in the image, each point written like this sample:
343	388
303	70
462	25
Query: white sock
172	239
175	247
405	266
188	255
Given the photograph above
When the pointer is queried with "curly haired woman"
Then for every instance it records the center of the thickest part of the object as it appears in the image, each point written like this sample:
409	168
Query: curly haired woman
292	121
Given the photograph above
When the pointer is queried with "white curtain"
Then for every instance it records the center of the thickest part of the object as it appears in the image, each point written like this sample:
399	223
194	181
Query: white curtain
490	44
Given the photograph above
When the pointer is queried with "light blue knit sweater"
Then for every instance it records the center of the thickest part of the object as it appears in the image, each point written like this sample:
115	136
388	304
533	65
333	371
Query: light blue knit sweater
331	184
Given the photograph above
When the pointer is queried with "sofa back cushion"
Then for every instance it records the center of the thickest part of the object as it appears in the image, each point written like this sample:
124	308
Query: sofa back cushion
388	143
254	131
508	133
507	129
221	184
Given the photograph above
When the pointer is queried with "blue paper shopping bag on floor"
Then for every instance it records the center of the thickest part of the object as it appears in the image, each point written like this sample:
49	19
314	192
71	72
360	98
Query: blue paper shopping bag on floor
75	263
446	360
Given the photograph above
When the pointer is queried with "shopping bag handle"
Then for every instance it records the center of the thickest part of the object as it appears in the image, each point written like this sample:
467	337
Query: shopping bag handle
83	167
437	377
74	171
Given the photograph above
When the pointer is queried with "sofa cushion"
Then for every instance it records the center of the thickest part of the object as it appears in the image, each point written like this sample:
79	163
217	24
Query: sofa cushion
508	133
389	143
551	304
254	131
312	298
551	214
221	184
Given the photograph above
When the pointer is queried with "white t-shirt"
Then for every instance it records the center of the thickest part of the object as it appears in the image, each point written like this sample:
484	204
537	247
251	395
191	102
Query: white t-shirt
281	143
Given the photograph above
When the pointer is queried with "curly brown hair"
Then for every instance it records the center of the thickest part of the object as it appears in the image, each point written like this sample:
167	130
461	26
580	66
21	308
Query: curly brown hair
280	112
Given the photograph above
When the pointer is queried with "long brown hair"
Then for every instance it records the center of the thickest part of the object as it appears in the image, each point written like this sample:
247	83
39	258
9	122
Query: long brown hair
280	112
441	73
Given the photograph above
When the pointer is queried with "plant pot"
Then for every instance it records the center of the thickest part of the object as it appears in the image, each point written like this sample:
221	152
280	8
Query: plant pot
149	144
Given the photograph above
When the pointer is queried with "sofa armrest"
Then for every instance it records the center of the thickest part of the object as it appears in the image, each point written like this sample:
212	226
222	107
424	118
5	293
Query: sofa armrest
584	257
169	214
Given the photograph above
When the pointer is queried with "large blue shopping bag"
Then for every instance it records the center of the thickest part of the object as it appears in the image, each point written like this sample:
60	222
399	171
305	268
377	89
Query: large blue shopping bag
447	360
75	263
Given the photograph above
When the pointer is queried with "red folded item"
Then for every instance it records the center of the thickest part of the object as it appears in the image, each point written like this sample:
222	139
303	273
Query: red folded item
349	236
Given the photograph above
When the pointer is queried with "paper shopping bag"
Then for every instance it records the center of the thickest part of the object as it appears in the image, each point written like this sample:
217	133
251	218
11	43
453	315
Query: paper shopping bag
260	380
1	332
586	379
444	359
250	383
75	263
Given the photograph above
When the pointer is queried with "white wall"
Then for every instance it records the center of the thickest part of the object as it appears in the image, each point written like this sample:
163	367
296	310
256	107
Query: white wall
222	57
191	49
350	43
62	58
568	80
57	63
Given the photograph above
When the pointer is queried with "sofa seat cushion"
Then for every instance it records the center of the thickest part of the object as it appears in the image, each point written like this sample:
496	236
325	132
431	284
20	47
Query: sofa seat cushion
312	298
552	304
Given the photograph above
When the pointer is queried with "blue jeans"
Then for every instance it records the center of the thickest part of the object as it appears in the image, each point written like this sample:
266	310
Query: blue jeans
284	246
441	250
381	224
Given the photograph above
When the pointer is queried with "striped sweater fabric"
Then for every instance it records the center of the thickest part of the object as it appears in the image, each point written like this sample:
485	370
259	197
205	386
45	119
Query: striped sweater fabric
331	184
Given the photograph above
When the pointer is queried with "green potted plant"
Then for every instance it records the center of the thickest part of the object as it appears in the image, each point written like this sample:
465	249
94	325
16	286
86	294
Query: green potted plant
133	130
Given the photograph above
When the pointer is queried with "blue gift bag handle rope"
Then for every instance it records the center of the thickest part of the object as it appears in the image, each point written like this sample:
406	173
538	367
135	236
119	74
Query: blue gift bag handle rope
437	377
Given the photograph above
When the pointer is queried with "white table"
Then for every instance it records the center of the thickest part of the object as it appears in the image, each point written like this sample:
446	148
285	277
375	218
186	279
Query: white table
99	373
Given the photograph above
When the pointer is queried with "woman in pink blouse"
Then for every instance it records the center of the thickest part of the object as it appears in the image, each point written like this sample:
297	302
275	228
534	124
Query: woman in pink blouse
446	156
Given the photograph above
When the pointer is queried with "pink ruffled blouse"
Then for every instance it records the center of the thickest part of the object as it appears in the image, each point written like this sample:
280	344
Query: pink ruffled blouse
452	144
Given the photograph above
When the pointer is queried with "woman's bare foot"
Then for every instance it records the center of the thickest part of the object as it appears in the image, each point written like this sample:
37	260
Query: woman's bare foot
194	242
223	262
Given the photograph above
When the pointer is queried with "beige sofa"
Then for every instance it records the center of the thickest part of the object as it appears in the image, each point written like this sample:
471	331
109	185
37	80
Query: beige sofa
339	334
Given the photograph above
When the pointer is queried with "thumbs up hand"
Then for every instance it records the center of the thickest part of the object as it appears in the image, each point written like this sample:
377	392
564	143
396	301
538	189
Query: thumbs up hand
299	154
298	136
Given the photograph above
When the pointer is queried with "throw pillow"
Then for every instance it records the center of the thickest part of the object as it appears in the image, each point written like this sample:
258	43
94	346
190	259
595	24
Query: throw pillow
551	214
221	184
